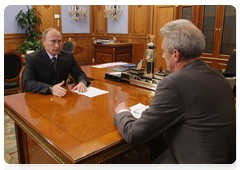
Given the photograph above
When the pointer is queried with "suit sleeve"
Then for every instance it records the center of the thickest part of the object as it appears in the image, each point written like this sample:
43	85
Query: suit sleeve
77	73
165	111
30	79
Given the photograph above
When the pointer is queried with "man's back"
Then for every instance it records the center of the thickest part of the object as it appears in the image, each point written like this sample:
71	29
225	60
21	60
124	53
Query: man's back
208	131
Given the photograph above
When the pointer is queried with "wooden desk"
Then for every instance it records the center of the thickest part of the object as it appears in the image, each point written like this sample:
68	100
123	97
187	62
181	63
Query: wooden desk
72	129
99	74
106	53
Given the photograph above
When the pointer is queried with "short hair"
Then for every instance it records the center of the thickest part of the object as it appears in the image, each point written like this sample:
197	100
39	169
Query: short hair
44	34
184	36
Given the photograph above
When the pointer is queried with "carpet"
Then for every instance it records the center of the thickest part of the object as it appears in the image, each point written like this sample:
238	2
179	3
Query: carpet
10	145
139	155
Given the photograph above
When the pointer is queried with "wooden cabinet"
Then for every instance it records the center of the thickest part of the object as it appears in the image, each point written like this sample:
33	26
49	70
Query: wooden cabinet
106	53
218	24
189	12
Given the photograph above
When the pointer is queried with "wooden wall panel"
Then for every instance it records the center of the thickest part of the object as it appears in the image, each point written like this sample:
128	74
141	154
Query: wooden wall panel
99	20
162	15
83	48
12	41
140	18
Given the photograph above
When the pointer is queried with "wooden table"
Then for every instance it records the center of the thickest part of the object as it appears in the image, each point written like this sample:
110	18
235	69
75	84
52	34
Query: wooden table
72	129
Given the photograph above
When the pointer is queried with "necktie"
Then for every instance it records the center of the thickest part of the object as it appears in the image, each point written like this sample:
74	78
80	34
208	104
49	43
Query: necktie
54	60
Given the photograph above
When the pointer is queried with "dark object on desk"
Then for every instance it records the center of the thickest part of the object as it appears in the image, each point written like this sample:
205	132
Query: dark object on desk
136	71
160	69
136	64
112	77
13	64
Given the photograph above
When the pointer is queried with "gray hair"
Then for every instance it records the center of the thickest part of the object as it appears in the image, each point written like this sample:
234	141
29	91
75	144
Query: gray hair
44	34
184	36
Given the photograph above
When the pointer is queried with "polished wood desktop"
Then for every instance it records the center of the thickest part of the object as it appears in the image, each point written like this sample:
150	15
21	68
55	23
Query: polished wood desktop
94	73
72	129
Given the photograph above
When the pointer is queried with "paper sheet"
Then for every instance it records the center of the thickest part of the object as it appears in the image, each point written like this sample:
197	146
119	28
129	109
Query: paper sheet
137	110
92	92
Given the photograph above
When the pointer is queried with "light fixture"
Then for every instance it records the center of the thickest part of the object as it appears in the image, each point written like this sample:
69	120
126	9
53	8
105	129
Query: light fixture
77	12
113	12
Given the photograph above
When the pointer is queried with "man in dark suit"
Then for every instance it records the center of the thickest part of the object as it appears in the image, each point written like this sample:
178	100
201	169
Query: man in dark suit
193	107
47	69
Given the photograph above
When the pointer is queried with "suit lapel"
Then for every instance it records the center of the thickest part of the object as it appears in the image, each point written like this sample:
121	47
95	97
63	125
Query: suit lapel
47	60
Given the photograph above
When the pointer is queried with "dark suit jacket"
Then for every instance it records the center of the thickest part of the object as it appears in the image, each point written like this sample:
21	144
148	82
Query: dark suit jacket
195	109
39	73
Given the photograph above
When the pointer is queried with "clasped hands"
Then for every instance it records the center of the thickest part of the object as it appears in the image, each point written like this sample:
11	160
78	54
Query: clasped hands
58	90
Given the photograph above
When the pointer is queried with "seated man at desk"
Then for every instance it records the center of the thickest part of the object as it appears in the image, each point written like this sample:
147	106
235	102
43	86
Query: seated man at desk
47	69
193	107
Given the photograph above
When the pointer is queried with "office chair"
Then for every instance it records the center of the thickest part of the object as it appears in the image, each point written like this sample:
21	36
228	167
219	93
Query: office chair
20	80
230	70
13	64
69	45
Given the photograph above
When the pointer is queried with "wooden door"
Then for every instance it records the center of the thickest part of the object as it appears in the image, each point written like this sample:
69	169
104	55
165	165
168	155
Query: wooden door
162	15
50	16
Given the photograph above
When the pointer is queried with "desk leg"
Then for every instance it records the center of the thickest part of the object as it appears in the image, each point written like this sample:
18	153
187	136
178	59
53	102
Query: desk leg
22	146
31	155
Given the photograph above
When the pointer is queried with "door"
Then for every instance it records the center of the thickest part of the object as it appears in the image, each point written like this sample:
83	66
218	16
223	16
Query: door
50	16
162	15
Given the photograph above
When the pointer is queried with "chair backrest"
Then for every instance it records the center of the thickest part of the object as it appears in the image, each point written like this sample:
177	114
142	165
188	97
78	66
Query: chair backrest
69	45
20	80
234	165
231	66
13	63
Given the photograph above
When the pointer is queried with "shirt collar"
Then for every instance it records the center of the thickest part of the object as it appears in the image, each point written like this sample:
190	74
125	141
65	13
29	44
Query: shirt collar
50	56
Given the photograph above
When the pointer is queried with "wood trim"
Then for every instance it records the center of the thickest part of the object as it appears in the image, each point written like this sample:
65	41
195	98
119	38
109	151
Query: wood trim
217	59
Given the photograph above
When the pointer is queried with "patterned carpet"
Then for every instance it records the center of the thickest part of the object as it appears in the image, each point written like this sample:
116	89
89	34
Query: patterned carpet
10	146
136	156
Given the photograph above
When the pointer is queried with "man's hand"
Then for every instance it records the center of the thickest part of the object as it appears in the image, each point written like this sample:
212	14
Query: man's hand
122	106
58	90
80	87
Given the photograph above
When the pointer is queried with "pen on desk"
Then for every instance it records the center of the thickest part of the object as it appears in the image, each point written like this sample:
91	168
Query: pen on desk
136	112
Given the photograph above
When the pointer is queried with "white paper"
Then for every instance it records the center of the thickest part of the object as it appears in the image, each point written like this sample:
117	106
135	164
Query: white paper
137	110
117	74
92	92
109	64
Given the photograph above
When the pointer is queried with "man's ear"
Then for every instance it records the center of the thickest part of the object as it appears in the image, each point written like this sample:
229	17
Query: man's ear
176	55
43	42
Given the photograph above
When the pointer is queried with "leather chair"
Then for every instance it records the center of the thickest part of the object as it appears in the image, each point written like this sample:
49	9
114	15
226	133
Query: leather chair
20	80
13	64
69	45
234	165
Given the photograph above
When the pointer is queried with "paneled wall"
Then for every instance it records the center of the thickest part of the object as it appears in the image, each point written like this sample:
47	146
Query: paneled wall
134	26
